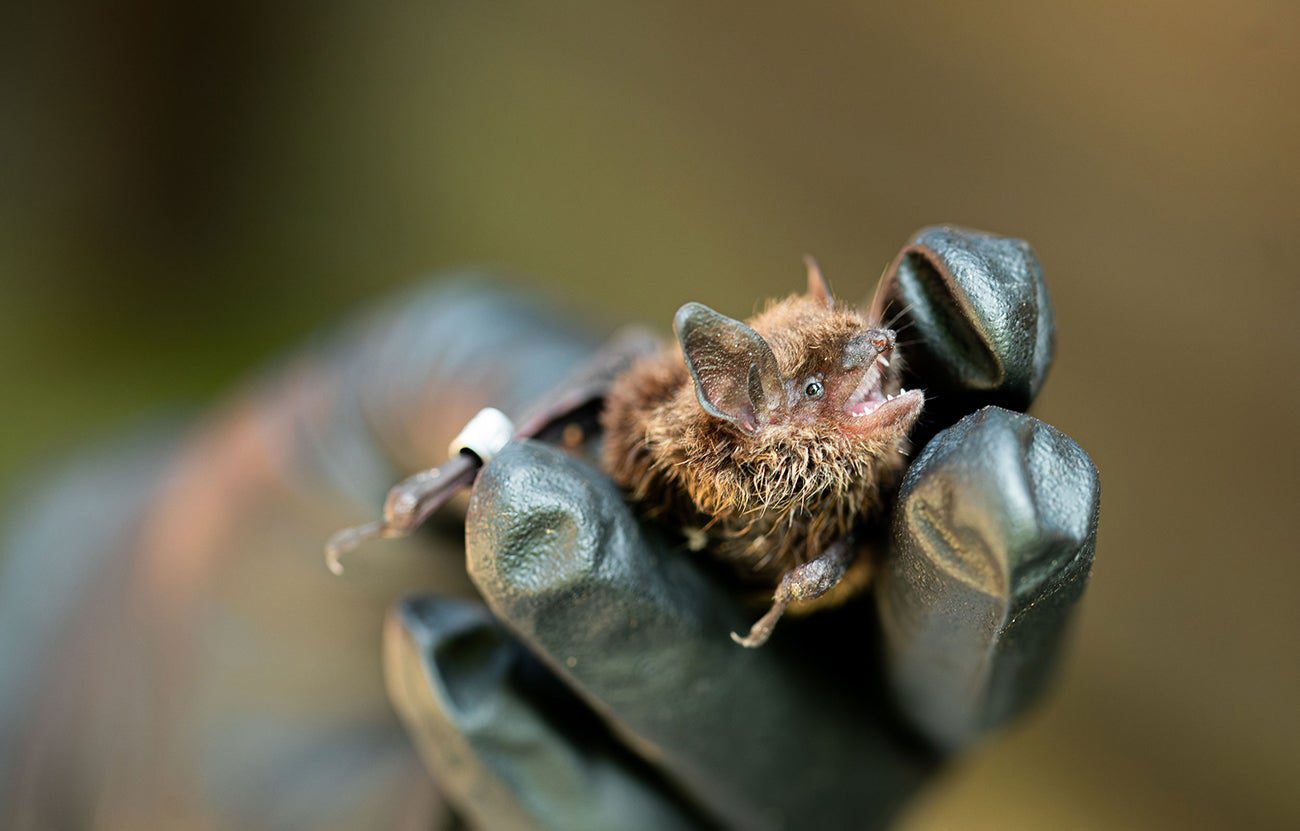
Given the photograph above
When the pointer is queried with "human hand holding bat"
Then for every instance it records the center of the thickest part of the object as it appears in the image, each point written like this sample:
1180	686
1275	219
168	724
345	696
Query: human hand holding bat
834	724
585	679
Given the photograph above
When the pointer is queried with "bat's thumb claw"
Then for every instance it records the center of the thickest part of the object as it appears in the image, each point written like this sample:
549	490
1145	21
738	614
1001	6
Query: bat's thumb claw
347	540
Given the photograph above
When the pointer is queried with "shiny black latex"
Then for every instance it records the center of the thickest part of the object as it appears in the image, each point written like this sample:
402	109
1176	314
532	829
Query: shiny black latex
602	690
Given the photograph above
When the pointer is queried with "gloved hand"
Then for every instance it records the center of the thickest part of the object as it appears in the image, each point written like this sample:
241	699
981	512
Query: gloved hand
602	690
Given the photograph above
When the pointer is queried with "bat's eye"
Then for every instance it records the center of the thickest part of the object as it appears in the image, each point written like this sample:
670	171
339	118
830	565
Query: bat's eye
814	389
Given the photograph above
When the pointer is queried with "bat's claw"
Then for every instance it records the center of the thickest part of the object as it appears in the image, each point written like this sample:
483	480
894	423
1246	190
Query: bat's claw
753	640
410	502
762	630
348	540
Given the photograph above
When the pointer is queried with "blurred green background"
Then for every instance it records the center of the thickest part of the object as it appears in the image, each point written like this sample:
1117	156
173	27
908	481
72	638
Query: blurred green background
190	188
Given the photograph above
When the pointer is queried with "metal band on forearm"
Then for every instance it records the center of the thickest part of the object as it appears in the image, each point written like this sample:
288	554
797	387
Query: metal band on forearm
484	435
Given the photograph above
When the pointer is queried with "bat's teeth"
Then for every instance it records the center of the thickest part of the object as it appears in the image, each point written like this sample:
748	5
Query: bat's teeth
883	360
862	410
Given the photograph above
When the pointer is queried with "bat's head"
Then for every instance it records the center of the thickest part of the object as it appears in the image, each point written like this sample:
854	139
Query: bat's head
808	382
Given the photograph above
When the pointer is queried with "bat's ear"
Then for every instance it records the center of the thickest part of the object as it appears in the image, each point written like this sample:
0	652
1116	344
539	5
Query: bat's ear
735	372
818	288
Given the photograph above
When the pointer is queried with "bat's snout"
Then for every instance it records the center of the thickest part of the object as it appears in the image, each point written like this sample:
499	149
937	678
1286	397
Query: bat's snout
865	348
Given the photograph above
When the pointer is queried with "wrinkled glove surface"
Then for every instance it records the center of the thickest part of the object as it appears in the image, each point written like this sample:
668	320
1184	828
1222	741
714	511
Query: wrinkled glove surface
599	687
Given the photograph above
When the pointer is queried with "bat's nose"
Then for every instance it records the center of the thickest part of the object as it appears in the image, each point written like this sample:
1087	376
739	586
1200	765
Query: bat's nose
882	340
864	348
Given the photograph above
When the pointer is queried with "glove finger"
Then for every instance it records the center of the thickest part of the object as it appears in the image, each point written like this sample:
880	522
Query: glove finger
992	544
973	310
643	635
495	745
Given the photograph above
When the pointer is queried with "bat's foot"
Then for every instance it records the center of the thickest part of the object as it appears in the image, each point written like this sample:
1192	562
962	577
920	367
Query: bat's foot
762	630
806	582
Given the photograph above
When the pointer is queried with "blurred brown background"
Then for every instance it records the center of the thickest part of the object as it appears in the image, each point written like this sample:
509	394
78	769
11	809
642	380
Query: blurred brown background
189	188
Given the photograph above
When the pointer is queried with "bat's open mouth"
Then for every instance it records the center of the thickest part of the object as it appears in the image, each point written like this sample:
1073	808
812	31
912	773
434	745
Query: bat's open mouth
870	403
870	391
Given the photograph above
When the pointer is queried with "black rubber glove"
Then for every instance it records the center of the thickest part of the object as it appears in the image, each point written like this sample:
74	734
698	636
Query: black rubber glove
604	692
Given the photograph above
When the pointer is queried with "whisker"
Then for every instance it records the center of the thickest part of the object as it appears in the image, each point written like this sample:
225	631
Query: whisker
885	311
896	317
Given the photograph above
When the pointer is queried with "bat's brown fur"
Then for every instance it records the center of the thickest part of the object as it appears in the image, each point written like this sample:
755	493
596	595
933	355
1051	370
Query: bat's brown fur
770	500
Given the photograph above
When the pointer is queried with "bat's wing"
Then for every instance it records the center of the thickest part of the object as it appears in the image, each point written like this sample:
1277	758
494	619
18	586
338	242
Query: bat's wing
562	416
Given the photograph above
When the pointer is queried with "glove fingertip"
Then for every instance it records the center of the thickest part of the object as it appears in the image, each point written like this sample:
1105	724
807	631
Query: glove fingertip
992	544
976	308
539	522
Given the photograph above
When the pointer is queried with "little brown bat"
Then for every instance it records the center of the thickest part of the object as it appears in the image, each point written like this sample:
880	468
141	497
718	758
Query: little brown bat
768	443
